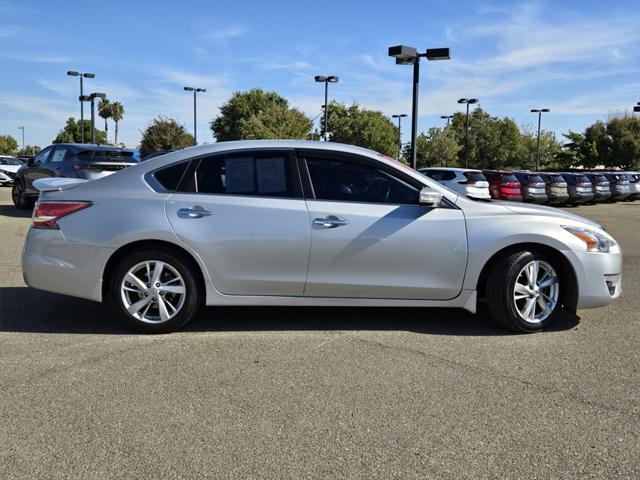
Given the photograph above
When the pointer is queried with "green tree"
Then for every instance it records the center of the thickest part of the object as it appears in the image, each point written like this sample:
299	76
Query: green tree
8	145
493	143
437	147
29	150
117	112
164	133
624	132
365	128
550	148
104	110
256	114
71	133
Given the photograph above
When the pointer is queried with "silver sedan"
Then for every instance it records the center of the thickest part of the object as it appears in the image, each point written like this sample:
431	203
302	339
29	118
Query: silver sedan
307	223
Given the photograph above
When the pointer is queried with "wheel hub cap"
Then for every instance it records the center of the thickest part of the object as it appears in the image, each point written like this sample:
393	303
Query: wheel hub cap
535	293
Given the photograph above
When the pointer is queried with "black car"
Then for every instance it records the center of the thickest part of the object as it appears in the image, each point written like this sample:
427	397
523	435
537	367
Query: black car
580	188
601	187
557	190
70	160
634	186
534	189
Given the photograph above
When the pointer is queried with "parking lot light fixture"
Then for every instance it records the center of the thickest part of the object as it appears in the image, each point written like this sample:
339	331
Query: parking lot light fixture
447	118
539	111
467	101
326	80
399	116
73	73
195	127
406	55
636	108
92	97
21	127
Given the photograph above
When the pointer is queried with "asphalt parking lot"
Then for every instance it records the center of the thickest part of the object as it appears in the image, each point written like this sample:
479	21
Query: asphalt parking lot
317	392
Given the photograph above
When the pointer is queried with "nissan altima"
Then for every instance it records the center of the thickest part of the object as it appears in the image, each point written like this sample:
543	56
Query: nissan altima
307	223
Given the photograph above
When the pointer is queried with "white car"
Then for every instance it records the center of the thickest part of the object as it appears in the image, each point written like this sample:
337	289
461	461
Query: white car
471	183
8	168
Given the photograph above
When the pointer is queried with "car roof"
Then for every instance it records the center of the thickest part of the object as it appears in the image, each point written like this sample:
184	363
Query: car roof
450	169
91	146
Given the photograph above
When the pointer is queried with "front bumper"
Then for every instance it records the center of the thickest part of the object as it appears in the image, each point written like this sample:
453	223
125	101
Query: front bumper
599	278
6	178
51	263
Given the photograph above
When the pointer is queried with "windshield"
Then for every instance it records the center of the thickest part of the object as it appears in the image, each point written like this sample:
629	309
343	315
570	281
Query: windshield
9	161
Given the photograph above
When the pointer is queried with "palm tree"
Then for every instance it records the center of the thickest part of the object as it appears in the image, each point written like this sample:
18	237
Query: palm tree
117	111
104	110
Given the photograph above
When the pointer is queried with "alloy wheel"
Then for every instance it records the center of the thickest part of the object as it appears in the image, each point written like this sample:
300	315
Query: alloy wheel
153	291
535	292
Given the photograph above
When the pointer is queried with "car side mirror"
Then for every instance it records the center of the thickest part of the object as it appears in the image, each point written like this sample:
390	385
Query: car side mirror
430	198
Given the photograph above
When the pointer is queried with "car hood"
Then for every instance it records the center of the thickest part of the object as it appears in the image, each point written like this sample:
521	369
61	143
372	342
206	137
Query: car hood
10	168
525	209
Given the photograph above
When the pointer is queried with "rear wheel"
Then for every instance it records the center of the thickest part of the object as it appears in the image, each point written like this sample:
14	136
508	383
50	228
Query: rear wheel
155	291
523	292
19	196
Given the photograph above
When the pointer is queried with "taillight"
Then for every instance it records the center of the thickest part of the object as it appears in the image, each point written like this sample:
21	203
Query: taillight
47	214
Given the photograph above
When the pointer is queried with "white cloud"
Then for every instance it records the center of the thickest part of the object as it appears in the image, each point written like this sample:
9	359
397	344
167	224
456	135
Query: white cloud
226	33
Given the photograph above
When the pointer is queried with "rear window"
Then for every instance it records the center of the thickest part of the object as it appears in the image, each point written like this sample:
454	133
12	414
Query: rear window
583	179
475	176
106	156
557	179
535	179
509	178
439	175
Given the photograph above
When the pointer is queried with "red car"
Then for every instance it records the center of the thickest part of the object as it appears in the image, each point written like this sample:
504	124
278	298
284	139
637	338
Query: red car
503	185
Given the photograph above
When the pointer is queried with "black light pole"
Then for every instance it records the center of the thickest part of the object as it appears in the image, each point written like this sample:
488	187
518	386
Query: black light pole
539	111
73	73
399	117
466	129
326	80
21	127
405	55
447	117
195	128
91	98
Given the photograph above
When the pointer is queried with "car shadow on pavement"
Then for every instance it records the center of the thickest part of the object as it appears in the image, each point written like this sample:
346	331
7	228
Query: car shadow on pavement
11	211
29	310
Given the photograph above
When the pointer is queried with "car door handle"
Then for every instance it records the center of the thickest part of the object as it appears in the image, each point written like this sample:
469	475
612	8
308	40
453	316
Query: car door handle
193	212
330	221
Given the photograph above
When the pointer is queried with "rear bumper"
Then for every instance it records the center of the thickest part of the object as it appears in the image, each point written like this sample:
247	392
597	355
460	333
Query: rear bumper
581	198
51	263
536	197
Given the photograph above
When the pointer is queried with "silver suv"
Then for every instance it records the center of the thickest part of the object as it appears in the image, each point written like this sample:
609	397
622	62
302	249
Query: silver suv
471	183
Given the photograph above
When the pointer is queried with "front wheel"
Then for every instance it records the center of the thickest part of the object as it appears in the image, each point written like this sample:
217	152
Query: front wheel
523	291
155	291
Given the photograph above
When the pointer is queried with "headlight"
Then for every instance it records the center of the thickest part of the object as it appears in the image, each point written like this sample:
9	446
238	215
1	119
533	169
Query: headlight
594	241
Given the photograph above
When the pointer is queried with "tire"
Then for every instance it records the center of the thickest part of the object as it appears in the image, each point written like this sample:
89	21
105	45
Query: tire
178	271
19	196
509	292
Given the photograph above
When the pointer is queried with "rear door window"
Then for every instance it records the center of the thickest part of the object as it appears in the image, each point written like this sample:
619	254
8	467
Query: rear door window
266	174
170	177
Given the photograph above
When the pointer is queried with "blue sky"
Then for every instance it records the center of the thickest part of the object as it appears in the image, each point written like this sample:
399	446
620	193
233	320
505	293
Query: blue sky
579	58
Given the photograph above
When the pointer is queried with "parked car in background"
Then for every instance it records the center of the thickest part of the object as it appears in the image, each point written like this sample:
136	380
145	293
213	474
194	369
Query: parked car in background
557	190
8	168
634	185
308	224
71	160
534	190
155	154
503	185
620	186
580	188
601	187
471	183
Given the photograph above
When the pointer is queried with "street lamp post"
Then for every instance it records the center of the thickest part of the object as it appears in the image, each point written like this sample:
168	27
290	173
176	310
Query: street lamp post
399	117
91	98
405	55
447	117
21	127
73	73
539	111
195	128
468	101
326	80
